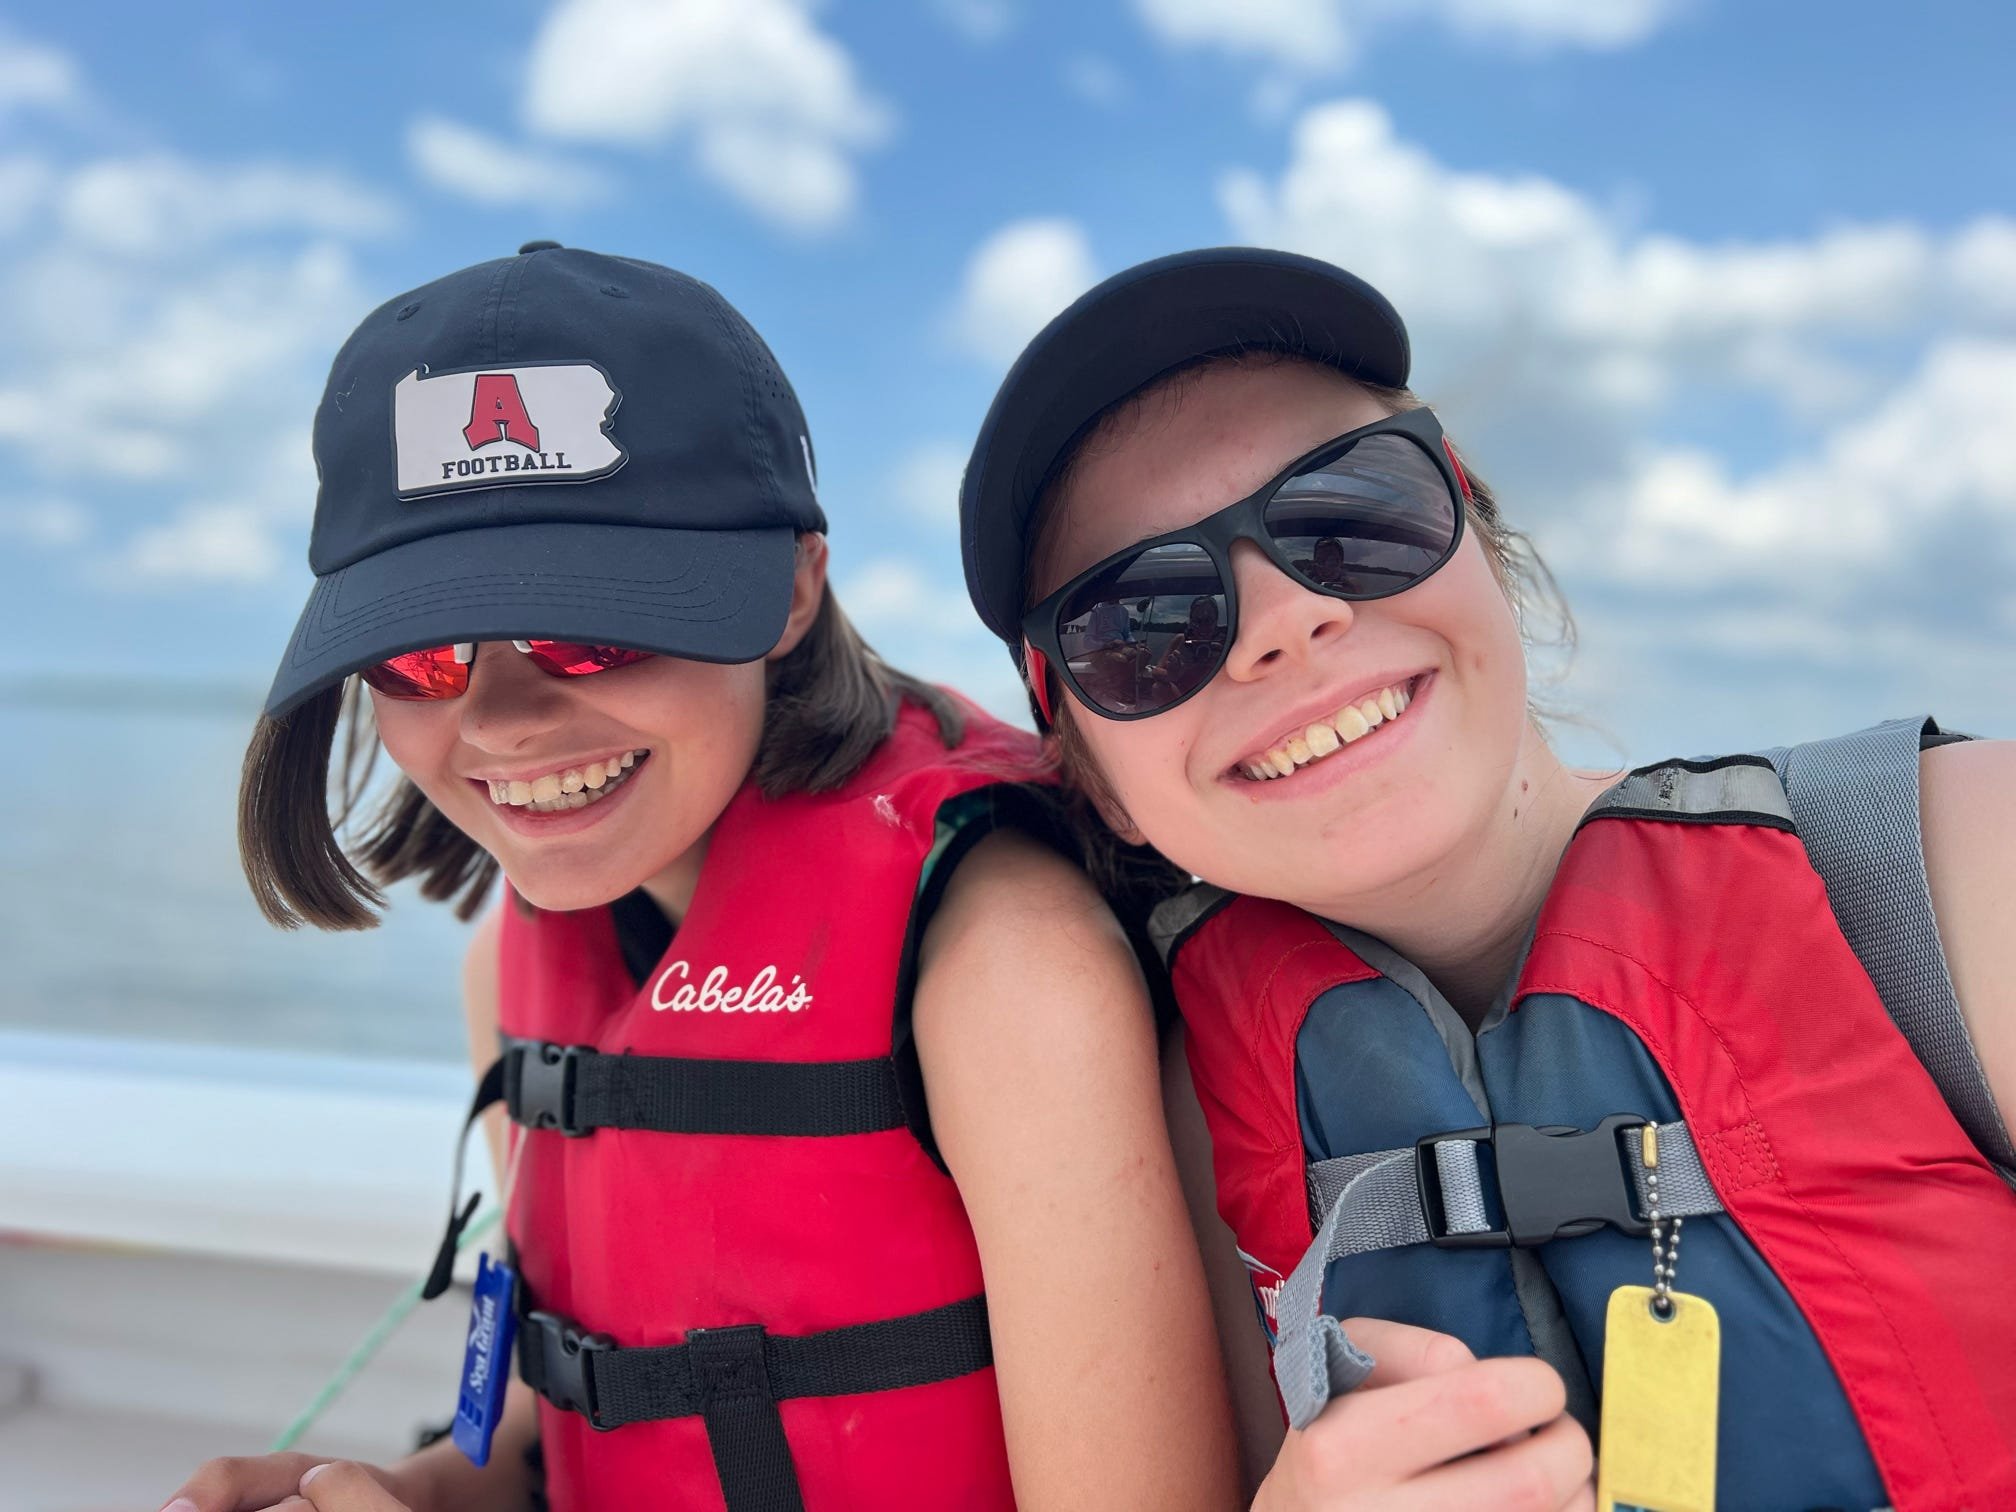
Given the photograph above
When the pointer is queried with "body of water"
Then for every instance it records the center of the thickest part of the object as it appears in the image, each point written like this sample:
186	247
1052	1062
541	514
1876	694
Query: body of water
123	912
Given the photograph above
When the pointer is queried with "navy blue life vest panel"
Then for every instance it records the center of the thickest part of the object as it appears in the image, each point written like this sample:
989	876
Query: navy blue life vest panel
1377	1025
1559	1061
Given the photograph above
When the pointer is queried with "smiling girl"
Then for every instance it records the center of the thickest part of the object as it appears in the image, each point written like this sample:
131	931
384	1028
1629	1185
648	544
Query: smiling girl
838	1177
1478	1033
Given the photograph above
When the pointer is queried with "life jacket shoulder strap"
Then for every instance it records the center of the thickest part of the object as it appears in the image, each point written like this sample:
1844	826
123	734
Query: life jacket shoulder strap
1855	800
1176	919
1723	790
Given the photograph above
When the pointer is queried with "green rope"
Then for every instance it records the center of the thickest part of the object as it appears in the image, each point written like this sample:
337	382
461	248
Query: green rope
372	1342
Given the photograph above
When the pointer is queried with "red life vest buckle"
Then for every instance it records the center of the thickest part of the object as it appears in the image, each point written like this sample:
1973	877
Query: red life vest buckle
1553	1183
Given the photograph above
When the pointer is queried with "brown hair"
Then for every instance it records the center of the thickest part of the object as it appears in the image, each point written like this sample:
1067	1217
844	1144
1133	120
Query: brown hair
1522	575
831	702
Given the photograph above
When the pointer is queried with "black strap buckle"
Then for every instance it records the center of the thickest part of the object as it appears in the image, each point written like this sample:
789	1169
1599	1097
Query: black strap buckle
1553	1183
555	1356
545	1086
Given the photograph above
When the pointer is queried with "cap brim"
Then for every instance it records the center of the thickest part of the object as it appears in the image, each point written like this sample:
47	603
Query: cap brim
1129	330
709	595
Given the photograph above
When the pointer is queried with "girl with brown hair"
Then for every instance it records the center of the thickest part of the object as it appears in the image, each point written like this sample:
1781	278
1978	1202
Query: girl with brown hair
836	1174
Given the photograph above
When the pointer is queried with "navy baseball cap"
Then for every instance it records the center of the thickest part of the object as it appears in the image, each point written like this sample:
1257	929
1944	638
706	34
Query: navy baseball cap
559	445
1121	336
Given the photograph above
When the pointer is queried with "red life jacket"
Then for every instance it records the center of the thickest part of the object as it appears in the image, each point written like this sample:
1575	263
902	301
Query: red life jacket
797	1201
1685	968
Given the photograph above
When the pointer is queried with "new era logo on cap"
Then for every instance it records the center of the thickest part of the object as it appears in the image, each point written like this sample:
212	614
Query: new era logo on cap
490	427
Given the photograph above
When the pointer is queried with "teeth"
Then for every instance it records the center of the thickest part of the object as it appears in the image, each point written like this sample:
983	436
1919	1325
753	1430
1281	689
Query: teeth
1352	722
573	788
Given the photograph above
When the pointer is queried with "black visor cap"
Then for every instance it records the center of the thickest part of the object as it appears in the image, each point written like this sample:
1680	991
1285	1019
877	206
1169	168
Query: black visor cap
1122	335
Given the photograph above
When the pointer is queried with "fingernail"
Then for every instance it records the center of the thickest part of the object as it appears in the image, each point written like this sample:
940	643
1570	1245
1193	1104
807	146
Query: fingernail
181	1504
313	1471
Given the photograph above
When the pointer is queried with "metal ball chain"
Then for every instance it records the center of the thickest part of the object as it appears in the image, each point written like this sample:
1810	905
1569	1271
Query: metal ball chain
1665	1249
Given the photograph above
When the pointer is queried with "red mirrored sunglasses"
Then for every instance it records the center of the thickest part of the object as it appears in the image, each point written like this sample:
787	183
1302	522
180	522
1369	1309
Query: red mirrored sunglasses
443	671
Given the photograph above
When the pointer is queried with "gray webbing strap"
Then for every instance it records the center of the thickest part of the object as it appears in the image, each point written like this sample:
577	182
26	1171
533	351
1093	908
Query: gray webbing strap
1684	1188
1855	800
1373	1202
1378	1208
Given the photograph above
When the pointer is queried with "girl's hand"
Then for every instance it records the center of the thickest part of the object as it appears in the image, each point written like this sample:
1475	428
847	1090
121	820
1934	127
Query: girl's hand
257	1483
1435	1430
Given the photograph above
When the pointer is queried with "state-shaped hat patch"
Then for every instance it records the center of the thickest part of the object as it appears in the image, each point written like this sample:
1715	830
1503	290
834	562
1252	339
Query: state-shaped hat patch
539	422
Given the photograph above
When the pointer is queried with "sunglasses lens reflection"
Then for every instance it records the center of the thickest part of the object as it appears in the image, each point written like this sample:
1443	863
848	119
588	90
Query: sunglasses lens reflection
1376	520
575	659
433	673
1147	631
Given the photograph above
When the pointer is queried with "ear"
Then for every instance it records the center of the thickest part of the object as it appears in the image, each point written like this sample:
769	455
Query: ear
808	592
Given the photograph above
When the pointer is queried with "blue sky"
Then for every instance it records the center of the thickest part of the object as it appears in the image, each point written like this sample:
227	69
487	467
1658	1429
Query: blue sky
1722	298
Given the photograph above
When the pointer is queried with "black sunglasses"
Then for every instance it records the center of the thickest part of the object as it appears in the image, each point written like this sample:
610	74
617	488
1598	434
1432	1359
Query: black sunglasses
1364	516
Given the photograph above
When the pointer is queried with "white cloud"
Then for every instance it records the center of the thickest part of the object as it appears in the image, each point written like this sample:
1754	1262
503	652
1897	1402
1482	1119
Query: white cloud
921	620
476	166
795	180
770	104
1095	80
1599	25
165	326
978	20
37	76
925	482
205	544
1312	37
47	522
25	186
1015	281
1872	503
189	381
1571	352
161	204
1522	294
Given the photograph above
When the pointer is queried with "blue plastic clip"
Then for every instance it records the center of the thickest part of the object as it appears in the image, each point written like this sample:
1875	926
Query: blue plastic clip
486	1360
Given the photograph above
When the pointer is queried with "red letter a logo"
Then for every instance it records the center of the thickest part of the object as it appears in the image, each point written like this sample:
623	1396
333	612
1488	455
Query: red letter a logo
498	413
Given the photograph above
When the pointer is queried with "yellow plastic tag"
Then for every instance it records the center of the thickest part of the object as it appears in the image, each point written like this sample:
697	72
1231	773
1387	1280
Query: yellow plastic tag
1661	1387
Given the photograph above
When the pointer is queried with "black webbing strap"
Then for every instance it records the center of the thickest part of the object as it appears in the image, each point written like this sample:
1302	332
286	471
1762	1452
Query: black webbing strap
613	1386
489	1088
576	1090
752	1458
733	1379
